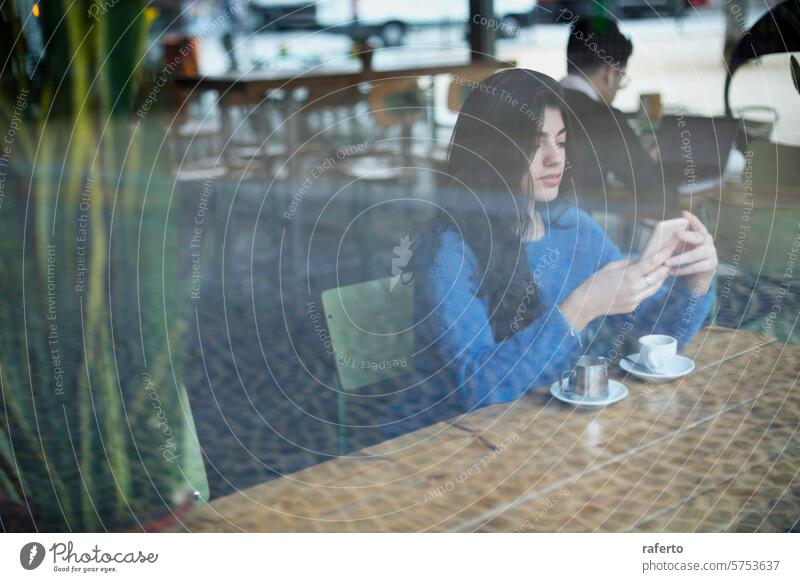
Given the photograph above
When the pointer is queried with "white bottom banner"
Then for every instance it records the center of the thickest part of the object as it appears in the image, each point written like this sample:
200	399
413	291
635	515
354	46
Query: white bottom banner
401	557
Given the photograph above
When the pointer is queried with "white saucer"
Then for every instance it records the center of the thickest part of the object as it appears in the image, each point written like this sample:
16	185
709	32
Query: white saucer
678	367
616	392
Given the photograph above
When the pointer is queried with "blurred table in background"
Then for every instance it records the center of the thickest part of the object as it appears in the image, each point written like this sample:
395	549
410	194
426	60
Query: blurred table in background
717	450
292	92
333	76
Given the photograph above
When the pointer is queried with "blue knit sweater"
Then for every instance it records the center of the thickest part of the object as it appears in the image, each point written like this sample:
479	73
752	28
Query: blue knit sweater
460	362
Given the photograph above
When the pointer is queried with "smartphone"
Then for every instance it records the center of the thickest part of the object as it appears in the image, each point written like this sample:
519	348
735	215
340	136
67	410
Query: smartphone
663	236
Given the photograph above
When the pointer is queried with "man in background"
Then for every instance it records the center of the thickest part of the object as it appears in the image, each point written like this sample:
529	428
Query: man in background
608	150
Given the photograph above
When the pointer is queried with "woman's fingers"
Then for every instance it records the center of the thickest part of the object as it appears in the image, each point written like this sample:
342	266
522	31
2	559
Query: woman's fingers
658	275
698	267
657	278
619	264
692	237
646	294
694	222
647	265
654	283
697	254
646	285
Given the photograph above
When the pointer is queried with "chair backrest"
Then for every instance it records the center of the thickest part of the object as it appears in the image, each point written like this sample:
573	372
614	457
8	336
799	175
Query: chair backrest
371	328
396	102
460	88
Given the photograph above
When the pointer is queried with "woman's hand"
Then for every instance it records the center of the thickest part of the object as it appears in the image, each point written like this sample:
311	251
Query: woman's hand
698	259
619	287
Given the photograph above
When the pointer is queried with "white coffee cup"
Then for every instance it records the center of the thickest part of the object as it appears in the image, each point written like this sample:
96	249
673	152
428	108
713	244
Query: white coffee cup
657	351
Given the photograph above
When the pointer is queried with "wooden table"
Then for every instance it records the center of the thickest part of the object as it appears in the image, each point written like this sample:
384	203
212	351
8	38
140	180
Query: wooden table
715	451
333	77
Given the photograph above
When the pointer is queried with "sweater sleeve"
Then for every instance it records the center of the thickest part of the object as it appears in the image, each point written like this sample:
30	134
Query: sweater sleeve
455	326
674	310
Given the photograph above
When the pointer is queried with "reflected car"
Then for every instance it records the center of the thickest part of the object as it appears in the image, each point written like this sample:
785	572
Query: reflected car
391	20
556	10
285	14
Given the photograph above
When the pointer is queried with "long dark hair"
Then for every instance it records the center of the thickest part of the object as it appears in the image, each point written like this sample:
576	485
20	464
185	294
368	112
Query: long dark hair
489	197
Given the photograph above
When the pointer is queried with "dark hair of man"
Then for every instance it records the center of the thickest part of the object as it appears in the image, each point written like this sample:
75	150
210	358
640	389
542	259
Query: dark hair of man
594	42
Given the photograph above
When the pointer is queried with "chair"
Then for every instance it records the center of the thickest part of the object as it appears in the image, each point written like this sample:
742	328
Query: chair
397	103
332	116
371	329
458	89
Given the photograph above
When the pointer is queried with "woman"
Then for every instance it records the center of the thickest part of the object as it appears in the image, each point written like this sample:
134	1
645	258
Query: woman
507	280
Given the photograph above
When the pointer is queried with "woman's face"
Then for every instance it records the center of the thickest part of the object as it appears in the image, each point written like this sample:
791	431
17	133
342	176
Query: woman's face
547	166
